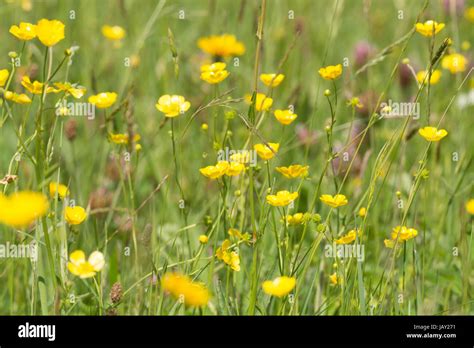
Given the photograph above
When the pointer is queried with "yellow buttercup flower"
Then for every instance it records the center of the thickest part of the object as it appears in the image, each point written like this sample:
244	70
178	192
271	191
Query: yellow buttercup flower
280	286
331	72
334	201
183	288
4	74
56	188
454	62
79	266
234	169
282	198
334	279
24	31
123	139
355	102
469	13
214	73
50	32
293	171
103	100
71	89
262	102
362	212
389	243
75	215
230	258
429	28
17	98
266	152
285	117
215	172
470	206
432	133
272	80
223	45
35	87
236	233
298	219
113	33
172	105
348	238
203	239
403	233
21	209
423	74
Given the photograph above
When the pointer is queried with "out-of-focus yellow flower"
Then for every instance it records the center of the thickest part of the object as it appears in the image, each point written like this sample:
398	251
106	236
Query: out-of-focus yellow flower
214	73
75	215
454	62
4	73
469	13
334	279
103	100
334	201
272	80
204	126
285	117
266	152
50	32
182	287
429	28
293	171
331	72
59	189
234	169
465	45
348	238
24	31
403	233
17	98
35	87
113	33
203	239
354	102
236	233
280	286
74	90
432	133
123	139
282	198
79	266
435	76
470	206
362	212
20	209
262	102
230	258
215	172
221	45
172	105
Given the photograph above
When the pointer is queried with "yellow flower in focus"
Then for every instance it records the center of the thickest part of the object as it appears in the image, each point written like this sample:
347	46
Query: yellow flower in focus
225	45
203	239
215	172
469	14
113	33
298	219
403	233
334	201
35	87
214	73
230	258
362	212
331	72
262	103
4	73
183	288
79	266
429	28
282	198
272	80
17	98
72	89
470	206
75	215
24	31
280	286
21	209
293	171
103	100
123	139
423	74
234	169
348	238
285	117
50	32
266	152
59	189
172	105
454	62
432	133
